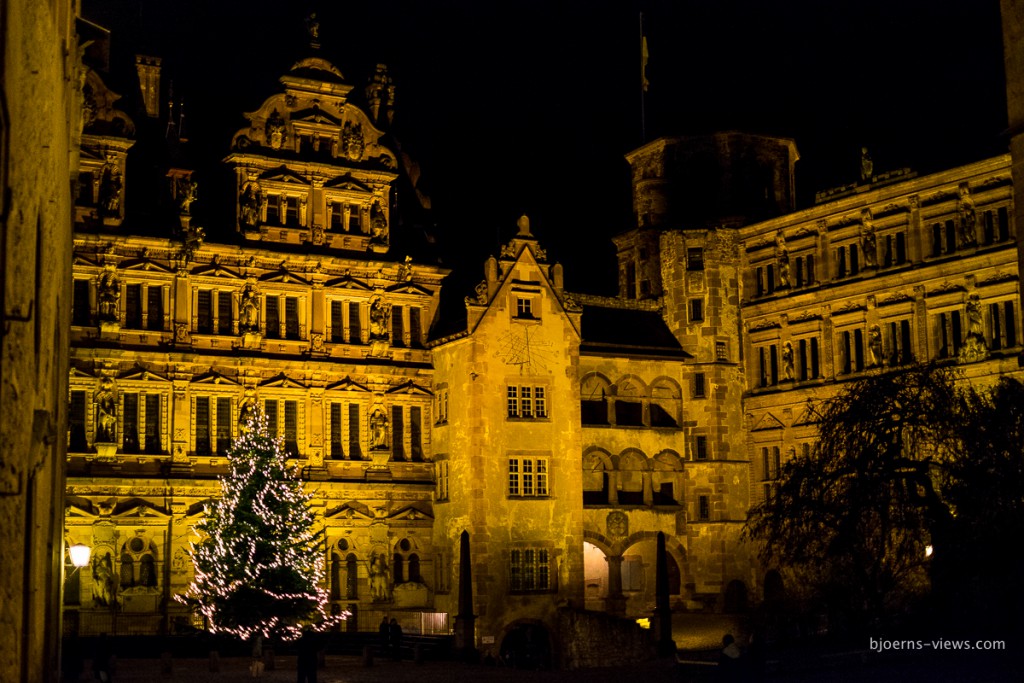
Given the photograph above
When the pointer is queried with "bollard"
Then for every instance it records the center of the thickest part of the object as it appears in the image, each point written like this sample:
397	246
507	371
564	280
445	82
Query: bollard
214	661
166	663
367	656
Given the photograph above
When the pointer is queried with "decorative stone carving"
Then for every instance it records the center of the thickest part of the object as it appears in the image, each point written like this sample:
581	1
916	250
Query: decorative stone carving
405	270
275	131
353	143
875	353
181	333
617	524
192	241
787	360
186	193
379	570
249	310
111	185
481	292
380	317
104	580
378	223
782	259
867	166
247	410
379	427
316	342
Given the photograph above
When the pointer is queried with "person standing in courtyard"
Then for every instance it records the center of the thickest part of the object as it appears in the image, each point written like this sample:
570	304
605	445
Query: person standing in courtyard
395	640
308	647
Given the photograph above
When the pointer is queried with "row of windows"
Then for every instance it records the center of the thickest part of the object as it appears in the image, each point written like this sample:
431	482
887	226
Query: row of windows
890	250
629	404
218	312
527	402
889	343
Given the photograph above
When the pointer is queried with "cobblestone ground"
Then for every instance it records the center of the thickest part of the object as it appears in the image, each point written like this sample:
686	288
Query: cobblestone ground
860	667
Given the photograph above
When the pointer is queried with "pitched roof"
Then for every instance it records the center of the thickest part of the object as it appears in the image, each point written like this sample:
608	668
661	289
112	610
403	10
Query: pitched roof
630	332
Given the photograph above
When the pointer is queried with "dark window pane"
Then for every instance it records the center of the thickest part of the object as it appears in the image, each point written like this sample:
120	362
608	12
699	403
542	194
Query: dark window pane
273	318
291	317
153	423
133	307
131	423
155	308
81	314
224	313
203	425
204	314
223	424
355	452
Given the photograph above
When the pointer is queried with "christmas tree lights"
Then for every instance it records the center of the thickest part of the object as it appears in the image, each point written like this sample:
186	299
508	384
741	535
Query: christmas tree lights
259	563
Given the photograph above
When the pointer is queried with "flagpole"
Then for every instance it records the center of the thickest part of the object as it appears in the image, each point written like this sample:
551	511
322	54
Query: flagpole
643	82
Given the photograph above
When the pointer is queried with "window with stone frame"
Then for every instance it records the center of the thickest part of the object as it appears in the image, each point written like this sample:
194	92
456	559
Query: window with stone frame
529	569
894	249
204	312
441	473
415	328
947	333
899	341
525	402
272	317
850	351
665	403
441	404
337	319
703	508
133	306
696	310
527	476
700	447
699	385
803	270
595	392
721	351
1002	317
808	358
397	326
81	311
154	308
130	422
695	258
771	462
336	450
354	323
77	421
283	421
767	365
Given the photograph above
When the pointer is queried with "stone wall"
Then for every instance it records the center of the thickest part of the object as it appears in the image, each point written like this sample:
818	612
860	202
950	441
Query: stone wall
585	638
38	120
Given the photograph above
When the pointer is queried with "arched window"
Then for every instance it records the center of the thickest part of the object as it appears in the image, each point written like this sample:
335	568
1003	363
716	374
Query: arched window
414	569
595	478
666	403
396	571
594	395
629	406
127	574
632	465
147	571
335	577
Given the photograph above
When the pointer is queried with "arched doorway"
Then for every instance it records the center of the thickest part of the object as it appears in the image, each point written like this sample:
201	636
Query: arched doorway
527	646
595	577
735	597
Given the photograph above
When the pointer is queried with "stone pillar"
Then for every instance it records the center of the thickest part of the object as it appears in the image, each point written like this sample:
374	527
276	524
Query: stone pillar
615	602
465	620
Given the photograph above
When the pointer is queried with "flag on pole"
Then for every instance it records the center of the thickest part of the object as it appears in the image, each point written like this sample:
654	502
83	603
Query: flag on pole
644	83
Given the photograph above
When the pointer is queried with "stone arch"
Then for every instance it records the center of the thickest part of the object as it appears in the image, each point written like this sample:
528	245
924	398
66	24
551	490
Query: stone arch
632	471
631	395
735	597
595	398
597	473
526	644
667	478
666	407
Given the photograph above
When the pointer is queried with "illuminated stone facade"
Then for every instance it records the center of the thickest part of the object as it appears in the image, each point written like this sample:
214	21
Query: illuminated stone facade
562	431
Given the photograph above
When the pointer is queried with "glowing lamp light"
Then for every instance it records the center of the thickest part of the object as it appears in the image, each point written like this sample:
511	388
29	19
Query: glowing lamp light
928	550
80	555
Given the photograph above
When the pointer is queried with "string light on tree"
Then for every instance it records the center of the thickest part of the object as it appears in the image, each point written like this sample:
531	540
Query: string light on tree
259	566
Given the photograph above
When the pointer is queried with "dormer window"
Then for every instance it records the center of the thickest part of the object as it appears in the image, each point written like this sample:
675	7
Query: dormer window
524	308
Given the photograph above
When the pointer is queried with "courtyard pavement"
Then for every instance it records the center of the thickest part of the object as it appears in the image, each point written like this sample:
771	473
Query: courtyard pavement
845	667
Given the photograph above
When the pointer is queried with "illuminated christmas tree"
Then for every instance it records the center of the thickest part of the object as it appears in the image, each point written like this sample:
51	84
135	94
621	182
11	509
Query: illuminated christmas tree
259	565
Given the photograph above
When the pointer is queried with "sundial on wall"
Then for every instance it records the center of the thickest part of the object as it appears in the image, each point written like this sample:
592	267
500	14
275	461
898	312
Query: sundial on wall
520	347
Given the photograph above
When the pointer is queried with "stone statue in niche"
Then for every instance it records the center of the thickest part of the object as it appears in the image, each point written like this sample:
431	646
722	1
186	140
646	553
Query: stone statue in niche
379	570
247	410
875	346
352	142
249	204
193	241
313	27
249	311
104	581
106	412
868	242
968	222
405	270
108	293
975	348
380	317
378	429
782	259
378	223
276	134
787	360
110	189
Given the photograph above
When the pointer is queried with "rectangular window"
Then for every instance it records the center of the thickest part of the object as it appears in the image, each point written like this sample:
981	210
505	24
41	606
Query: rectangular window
76	421
336	451
528	477
133	307
701	447
854	261
355	451
291	317
798	276
759	281
273	209
153	444
273	318
354	224
292	212
768	365
950	237
81	315
808	351
130	423
699	389
721	351
695	258
696	310
898	342
155	308
415	329
270	410
526	402
397	327
397	433
442	479
948	334
202	425
1004	224
769	278
528	569
337	323
354	328
204	312
1002	325
524	308
416	433
337	217
937	239
441	407
291	428
841	262
224	313
223	424
703	508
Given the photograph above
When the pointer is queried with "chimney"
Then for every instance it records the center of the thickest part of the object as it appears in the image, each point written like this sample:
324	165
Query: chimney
149	82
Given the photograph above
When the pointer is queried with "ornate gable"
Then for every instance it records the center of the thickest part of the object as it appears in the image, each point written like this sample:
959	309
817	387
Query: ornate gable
214	377
348	384
410	387
282	381
768	421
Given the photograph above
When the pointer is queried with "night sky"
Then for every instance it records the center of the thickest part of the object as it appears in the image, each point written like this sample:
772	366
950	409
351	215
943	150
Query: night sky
529	106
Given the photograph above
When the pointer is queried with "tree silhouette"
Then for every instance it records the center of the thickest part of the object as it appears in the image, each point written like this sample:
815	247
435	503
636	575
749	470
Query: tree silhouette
259	566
